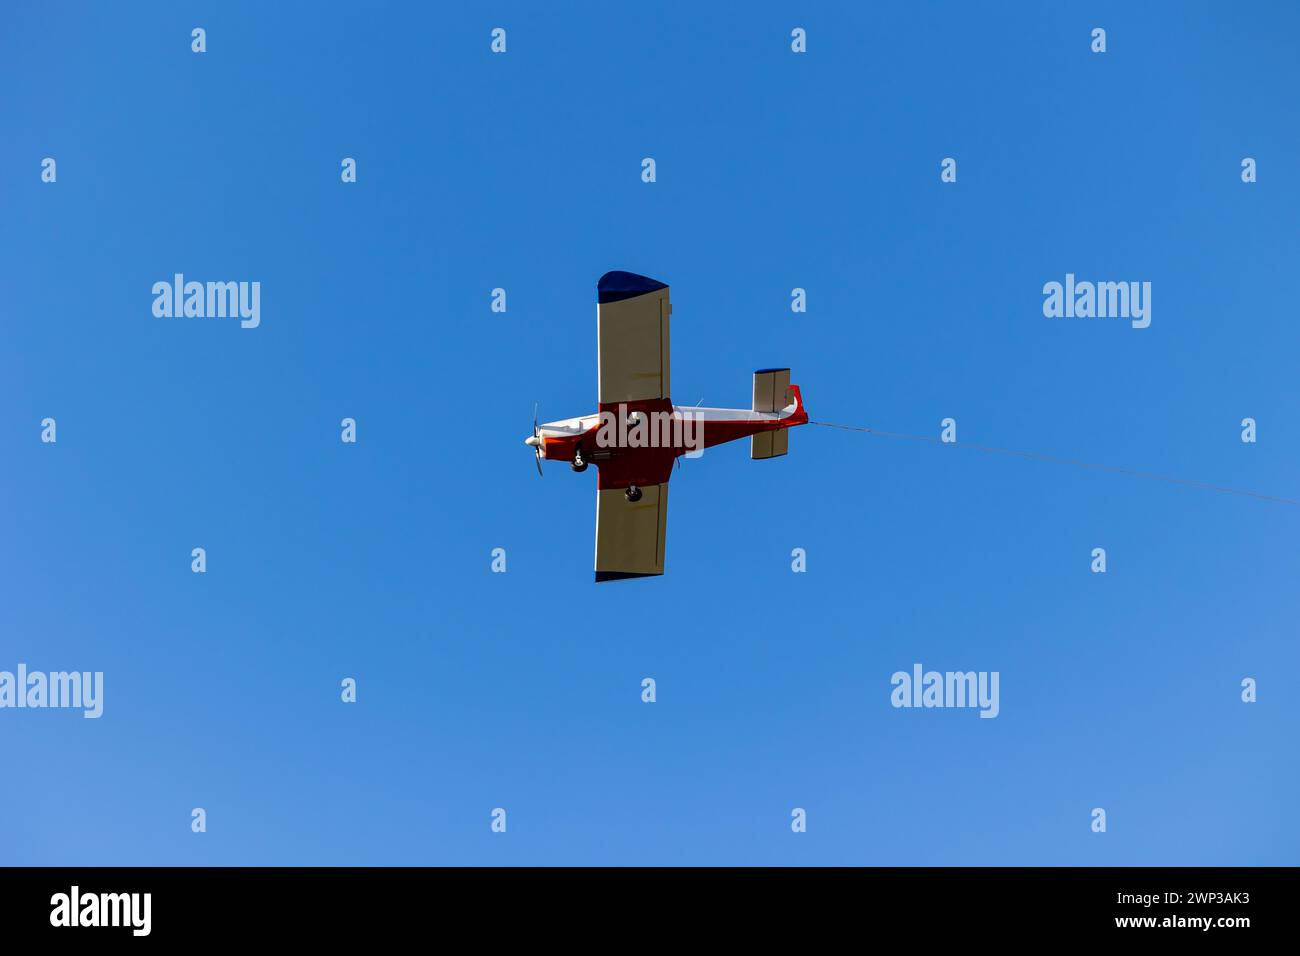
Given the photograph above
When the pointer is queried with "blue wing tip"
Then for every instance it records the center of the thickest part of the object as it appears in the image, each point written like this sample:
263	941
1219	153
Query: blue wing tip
617	285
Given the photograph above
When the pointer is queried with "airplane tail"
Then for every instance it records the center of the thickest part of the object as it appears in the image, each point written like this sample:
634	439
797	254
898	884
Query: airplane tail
774	393
800	416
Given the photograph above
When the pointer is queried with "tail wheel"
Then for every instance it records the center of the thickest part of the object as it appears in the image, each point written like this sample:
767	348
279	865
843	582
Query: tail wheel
633	493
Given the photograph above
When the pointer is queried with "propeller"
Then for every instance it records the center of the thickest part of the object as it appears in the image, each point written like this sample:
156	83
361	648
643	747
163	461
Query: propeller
536	442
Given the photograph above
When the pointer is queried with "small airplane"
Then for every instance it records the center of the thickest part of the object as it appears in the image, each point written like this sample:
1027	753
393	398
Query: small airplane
638	433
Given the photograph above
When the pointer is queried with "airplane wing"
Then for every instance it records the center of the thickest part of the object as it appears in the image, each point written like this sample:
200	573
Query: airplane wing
630	534
632	323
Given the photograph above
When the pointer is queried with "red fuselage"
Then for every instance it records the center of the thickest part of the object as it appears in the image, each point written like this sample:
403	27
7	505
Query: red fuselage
674	430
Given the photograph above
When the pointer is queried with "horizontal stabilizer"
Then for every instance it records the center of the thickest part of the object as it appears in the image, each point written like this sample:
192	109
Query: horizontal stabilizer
771	394
770	444
772	389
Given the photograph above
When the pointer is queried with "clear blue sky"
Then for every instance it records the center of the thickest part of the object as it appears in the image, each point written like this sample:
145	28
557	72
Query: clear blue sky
522	690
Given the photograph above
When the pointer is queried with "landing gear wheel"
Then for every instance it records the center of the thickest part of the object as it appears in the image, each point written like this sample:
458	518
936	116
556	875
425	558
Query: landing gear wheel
579	463
633	493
